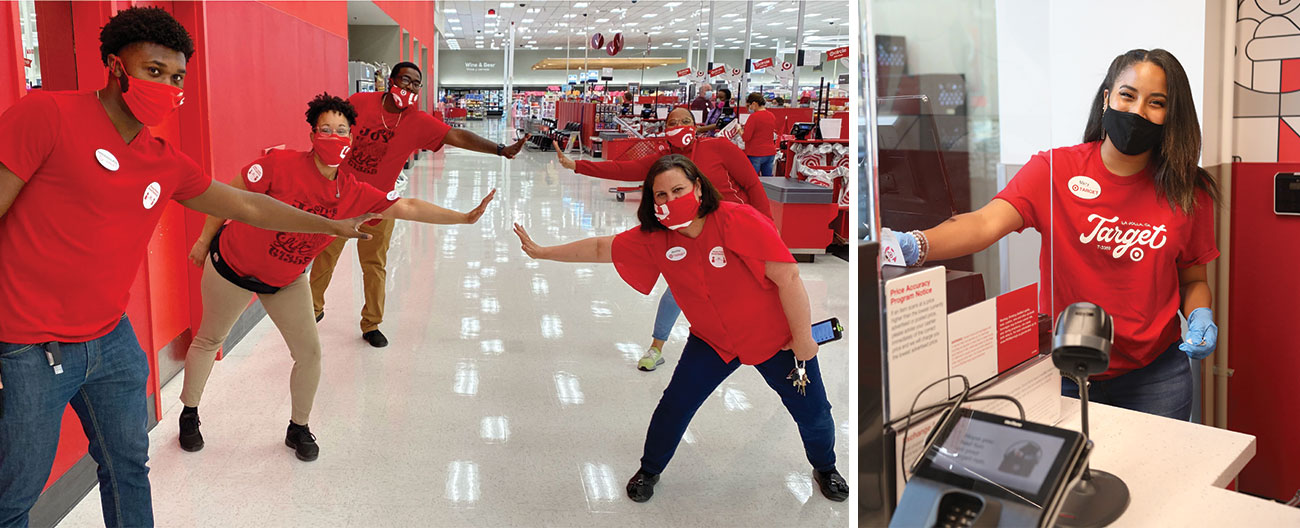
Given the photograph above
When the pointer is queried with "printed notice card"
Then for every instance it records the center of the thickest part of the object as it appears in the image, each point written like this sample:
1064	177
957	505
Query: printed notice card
916	339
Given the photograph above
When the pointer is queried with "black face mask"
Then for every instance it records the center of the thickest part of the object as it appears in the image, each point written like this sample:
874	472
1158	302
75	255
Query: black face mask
1131	134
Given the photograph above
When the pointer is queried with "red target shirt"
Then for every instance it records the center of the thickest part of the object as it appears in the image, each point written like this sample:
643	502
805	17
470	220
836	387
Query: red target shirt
1113	241
718	279
721	161
277	258
381	142
73	240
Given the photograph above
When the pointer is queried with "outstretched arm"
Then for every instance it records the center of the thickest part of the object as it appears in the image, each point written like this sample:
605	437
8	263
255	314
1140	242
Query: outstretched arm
595	249
459	137
968	233
210	227
794	301
628	171
425	212
260	210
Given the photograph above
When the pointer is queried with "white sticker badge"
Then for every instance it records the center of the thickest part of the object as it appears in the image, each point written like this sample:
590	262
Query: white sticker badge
393	195
255	173
106	159
151	194
676	253
718	257
1085	187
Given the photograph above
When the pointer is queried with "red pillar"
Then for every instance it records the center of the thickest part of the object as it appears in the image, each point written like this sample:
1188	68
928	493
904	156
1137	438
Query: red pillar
13	80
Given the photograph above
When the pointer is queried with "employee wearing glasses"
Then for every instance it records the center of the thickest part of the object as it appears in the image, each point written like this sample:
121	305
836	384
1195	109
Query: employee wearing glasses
389	129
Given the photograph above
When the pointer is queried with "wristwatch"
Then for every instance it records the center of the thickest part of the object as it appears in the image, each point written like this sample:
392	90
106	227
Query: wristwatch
500	147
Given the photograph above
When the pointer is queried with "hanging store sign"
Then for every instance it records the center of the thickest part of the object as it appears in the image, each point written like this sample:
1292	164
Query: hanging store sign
593	76
717	72
784	70
838	53
607	74
573	78
684	72
763	63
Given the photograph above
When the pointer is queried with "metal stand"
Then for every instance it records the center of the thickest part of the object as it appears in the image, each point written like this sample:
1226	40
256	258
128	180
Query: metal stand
1100	497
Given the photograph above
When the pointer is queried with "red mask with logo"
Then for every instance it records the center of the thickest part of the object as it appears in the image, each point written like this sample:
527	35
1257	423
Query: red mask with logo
150	102
331	148
682	138
678	213
403	97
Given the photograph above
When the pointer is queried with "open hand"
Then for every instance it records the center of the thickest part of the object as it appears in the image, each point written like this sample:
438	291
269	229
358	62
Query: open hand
199	251
804	348
473	216
526	243
565	161
351	227
512	150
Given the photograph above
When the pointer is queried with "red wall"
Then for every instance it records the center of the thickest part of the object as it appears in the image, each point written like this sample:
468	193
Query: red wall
1262	399
12	79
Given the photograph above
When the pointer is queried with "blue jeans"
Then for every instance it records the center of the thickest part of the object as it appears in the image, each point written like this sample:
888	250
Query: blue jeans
762	164
700	371
105	381
1162	388
666	317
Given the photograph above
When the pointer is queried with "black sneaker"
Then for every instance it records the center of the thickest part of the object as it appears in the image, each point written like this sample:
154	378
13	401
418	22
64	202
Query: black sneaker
191	438
832	485
299	437
375	338
320	316
642	486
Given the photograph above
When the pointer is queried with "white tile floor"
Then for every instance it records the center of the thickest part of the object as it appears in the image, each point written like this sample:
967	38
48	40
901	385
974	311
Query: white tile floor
508	397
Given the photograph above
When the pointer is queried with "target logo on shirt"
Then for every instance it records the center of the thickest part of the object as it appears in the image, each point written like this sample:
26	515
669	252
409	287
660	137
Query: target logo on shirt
151	194
1125	237
1084	187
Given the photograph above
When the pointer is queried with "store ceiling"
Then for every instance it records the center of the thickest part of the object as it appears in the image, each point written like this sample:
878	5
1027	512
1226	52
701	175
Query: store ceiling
546	24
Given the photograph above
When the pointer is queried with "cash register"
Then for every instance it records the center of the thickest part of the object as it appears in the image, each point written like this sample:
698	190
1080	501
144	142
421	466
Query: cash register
981	469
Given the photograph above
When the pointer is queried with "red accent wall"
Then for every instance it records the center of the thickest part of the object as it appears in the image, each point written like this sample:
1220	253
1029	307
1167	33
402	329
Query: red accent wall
1261	400
12	78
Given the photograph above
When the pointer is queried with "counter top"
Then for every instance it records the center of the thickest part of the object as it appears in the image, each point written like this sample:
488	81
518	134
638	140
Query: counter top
1176	471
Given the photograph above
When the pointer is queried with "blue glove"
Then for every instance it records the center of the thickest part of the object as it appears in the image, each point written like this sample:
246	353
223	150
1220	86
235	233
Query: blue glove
911	250
1202	334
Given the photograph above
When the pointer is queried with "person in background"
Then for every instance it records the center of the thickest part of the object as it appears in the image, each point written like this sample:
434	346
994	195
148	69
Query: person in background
720	108
759	135
389	129
720	160
739	287
1127	220
704	98
243	260
82	188
778	102
628	104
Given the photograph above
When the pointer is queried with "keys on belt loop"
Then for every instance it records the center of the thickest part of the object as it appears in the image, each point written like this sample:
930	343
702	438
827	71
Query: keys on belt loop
54	355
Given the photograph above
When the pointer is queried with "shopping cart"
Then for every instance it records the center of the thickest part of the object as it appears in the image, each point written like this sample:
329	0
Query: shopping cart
640	148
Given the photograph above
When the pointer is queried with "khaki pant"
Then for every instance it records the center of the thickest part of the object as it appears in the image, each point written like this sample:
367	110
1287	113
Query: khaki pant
373	256
223	303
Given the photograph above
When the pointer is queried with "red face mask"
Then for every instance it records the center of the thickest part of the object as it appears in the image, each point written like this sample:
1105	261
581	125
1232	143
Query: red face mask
403	97
150	102
682	137
678	213
331	148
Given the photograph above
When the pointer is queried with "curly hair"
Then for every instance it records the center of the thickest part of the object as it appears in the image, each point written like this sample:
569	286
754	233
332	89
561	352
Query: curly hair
143	24
329	103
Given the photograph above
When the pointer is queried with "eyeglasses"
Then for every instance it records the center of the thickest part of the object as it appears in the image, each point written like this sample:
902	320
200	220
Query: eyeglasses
409	82
682	122
340	131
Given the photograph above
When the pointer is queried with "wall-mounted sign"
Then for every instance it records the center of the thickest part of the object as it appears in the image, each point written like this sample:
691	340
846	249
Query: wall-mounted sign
480	66
763	63
684	72
838	53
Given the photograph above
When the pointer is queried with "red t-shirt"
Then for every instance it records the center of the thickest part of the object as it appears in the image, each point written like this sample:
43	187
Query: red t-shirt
74	238
721	161
718	279
759	134
290	176
381	142
1114	242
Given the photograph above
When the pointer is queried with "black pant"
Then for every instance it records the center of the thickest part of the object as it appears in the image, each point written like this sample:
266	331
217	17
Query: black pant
700	371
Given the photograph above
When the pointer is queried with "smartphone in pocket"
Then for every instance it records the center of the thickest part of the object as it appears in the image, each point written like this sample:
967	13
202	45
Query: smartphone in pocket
827	331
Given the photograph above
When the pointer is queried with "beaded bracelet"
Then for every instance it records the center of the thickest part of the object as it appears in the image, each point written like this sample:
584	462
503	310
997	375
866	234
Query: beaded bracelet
923	245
